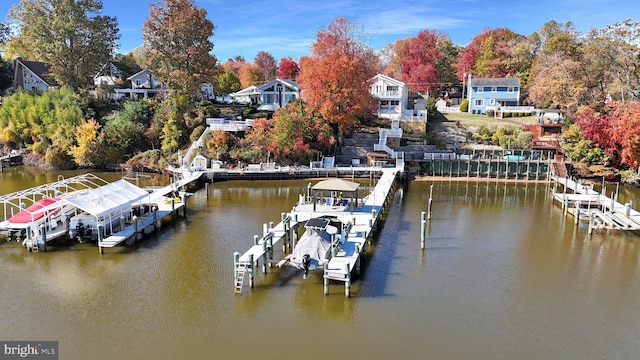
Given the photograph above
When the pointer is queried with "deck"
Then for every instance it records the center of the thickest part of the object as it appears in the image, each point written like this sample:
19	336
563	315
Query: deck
586	204
360	225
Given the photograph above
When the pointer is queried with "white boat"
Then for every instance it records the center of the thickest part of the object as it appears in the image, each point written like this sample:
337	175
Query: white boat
321	238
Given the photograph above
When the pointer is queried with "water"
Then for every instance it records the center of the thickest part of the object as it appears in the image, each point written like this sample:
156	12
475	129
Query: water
504	276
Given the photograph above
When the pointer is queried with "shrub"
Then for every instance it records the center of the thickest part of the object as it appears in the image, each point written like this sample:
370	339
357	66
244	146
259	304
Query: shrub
464	105
490	113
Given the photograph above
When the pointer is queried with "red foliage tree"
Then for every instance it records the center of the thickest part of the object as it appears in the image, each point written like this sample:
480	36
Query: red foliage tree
267	65
420	57
288	69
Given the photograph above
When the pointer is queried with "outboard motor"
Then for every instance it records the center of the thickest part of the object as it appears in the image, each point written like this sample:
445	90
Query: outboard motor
306	261
80	231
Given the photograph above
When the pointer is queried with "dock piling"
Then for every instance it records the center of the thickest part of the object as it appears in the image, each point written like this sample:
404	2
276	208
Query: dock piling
326	279
423	230
347	284
252	272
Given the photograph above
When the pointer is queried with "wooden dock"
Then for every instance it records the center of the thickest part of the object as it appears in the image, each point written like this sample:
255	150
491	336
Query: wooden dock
600	210
158	206
359	226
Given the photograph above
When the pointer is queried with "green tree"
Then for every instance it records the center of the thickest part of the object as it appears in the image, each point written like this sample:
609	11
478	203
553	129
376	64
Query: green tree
226	82
72	37
177	47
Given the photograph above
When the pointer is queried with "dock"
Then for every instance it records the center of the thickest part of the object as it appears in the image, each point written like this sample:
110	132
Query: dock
360	223
600	210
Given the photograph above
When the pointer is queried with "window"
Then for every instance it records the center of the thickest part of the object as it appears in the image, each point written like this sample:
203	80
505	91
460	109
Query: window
479	102
492	102
494	89
479	89
487	88
392	88
138	82
510	89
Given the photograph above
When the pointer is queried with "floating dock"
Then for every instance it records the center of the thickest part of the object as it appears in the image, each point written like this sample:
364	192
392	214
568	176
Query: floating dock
360	219
601	211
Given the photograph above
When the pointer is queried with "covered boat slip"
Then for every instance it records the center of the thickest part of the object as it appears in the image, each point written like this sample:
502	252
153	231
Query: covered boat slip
359	222
601	211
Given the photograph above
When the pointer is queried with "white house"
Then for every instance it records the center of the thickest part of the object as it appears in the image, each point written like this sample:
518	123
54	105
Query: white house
391	96
109	74
271	95
31	75
143	84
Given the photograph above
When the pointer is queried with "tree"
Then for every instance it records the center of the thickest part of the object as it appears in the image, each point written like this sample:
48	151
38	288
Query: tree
558	82
6	74
176	45
419	60
288	69
267	65
226	82
299	134
334	77
250	75
72	37
491	54
88	151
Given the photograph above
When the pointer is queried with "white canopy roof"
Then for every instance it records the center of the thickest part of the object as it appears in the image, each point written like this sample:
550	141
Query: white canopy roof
110	199
336	185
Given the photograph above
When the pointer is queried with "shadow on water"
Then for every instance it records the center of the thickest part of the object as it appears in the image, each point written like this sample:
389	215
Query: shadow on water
377	270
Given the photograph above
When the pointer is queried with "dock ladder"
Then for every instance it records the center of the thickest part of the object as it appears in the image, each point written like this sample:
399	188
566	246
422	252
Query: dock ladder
241	269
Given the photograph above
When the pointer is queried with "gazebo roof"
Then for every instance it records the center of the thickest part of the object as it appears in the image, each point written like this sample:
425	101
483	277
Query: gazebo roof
336	185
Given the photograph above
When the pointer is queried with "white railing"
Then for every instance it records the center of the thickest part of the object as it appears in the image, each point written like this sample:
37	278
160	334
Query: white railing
384	93
527	109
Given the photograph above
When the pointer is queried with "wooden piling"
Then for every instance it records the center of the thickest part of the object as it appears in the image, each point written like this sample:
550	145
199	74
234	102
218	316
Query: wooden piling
423	230
43	232
252	272
325	267
347	283
99	229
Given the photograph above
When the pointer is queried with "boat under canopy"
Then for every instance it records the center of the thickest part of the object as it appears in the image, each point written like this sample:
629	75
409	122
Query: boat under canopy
313	249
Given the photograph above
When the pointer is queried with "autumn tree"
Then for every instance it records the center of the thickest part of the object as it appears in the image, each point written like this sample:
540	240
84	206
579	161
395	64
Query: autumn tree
299	134
334	77
611	57
492	54
88	149
250	75
235	64
72	37
176	45
267	65
558	82
288	69
419	61
258	142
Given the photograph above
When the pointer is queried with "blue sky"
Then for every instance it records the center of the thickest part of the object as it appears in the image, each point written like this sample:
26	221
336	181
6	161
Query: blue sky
288	27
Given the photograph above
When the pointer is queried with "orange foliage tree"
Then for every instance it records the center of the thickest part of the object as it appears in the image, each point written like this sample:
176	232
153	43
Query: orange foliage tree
334	77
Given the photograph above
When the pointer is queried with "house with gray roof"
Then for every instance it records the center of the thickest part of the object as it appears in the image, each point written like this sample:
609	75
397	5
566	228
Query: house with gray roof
31	75
492	94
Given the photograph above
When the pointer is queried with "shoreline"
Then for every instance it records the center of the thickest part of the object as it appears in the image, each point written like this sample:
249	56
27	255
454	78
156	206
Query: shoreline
423	178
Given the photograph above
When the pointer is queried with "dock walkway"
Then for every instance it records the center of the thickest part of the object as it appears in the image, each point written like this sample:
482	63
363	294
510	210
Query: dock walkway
601	211
359	226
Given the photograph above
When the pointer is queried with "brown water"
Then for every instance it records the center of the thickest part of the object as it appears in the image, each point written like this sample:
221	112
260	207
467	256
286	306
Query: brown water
504	276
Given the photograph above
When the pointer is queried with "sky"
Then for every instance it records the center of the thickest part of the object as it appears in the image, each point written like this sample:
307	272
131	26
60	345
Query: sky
288	27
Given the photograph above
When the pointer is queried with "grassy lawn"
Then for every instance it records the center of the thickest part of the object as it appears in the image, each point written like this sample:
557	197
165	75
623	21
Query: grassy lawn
467	119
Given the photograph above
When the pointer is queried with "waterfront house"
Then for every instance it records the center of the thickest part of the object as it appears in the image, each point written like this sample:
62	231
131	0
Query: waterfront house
113	73
143	84
31	75
492	94
391	96
271	95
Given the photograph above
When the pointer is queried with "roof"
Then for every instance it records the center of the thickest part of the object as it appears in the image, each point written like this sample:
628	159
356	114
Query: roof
251	90
110	199
495	82
387	79
336	185
289	83
40	69
138	73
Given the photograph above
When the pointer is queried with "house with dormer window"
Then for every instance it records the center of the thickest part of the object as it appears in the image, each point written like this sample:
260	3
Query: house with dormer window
143	85
492	94
31	75
391	96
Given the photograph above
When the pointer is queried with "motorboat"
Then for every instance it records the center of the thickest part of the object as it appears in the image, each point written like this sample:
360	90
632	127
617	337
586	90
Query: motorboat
321	238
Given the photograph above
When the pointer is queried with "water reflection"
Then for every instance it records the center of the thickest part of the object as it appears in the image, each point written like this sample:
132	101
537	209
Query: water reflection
504	274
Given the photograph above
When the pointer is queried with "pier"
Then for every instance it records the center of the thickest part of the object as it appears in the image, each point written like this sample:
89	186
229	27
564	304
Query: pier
600	210
359	218
89	206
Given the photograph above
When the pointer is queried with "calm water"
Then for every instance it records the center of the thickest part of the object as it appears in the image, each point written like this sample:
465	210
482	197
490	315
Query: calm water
504	276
